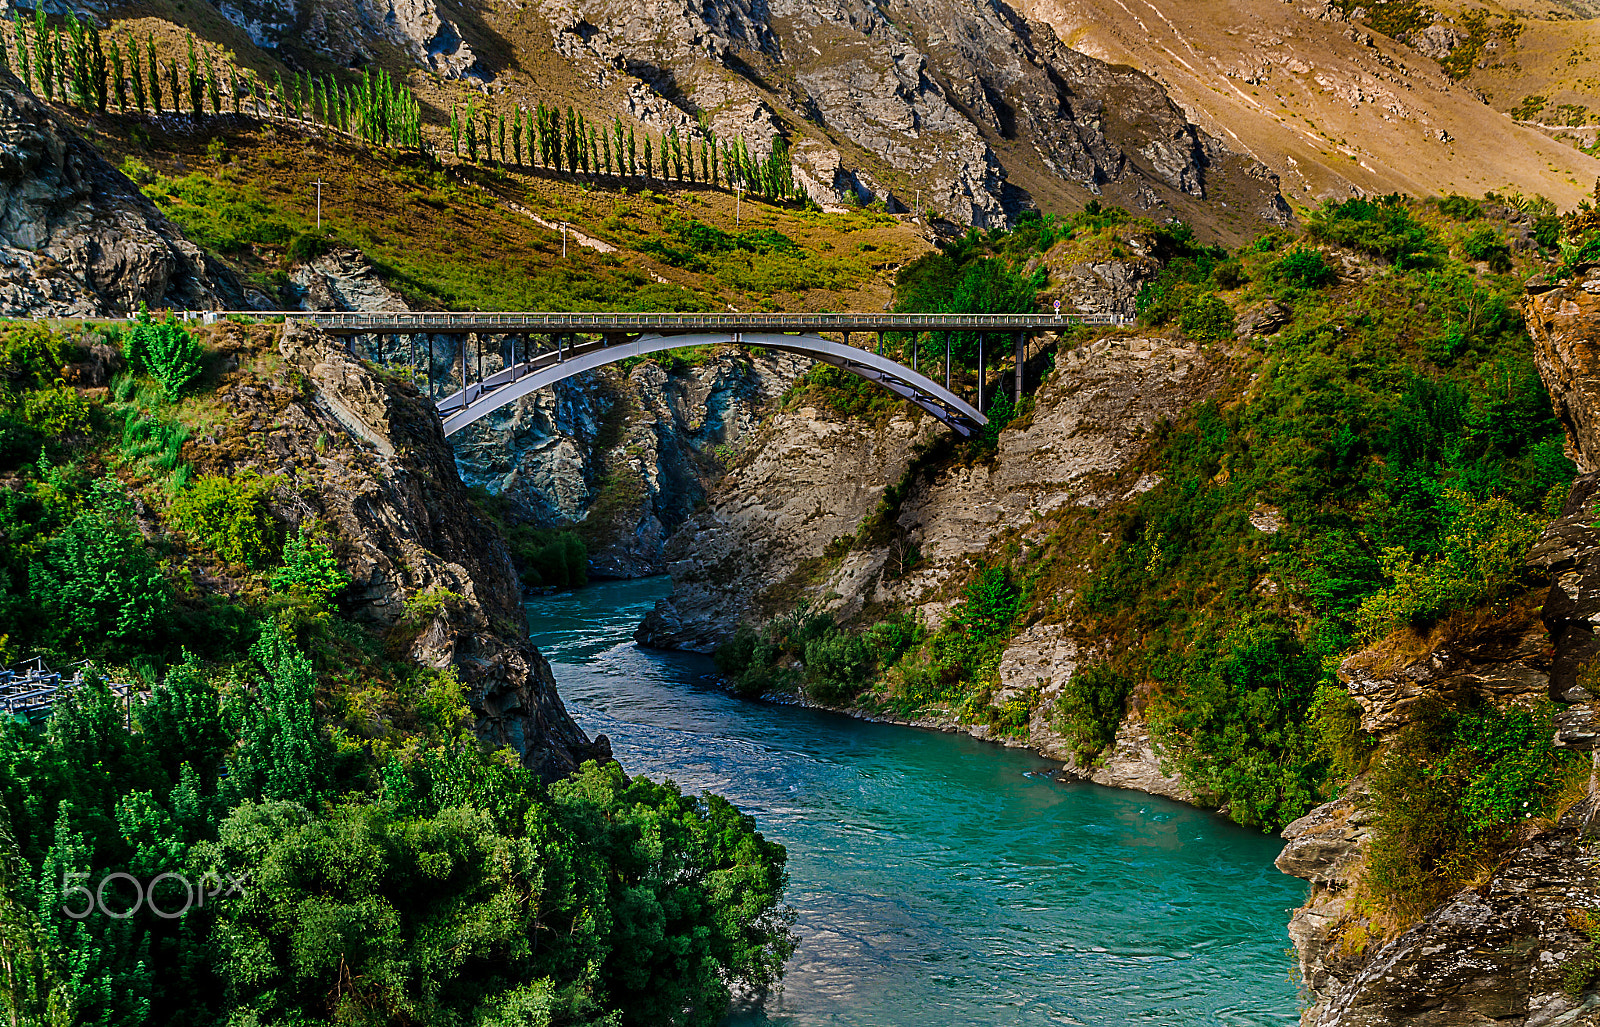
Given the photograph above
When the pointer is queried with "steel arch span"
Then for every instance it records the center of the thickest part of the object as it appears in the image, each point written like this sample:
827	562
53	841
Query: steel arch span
482	398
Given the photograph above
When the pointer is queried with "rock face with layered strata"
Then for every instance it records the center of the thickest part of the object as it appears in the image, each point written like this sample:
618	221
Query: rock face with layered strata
77	238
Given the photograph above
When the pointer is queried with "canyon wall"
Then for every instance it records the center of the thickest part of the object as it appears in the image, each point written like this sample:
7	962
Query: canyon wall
782	526
1498	952
362	455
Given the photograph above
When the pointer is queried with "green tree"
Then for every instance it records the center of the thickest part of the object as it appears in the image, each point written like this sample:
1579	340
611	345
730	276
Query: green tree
164	350
95	585
309	569
281	757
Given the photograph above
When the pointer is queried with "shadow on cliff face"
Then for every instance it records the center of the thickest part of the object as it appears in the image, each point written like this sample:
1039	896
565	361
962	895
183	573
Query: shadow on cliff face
624	457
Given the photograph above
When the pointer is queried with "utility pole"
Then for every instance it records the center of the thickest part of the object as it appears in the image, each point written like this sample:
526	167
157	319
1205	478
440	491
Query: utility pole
563	240
318	184
738	197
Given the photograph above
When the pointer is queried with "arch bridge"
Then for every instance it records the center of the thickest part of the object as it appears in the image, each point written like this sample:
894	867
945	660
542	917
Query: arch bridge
573	343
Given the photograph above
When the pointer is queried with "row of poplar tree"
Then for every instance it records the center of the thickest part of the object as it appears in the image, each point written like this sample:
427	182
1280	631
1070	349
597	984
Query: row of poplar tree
566	140
74	63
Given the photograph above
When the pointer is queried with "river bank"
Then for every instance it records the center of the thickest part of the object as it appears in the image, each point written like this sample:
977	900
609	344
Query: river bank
937	880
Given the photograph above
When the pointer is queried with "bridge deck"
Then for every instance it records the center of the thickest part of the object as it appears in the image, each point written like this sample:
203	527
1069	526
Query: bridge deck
513	322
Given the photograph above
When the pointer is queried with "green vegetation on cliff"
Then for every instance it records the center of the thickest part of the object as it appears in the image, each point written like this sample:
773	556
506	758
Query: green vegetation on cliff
356	855
1377	469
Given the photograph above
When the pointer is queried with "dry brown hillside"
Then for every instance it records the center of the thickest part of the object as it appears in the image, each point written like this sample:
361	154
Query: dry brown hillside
1327	103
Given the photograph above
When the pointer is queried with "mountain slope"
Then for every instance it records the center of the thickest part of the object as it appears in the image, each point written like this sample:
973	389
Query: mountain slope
1328	104
961	107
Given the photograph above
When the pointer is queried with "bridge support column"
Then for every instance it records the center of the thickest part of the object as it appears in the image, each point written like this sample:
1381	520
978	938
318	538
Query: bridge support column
982	338
413	338
947	362
1022	360
914	348
461	354
430	368
880	344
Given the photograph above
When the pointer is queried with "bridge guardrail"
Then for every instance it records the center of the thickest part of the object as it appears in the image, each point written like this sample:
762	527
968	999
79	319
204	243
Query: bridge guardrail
450	322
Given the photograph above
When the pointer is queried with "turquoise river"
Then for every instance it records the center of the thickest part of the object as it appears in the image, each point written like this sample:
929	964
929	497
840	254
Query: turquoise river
939	880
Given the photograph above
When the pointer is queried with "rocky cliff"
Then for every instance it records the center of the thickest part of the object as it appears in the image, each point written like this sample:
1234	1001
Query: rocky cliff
782	526
77	238
362	455
1501	952
624	456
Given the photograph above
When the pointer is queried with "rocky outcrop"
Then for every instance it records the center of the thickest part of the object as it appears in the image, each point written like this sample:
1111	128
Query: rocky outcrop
1106	287
343	280
77	238
1564	320
782	526
806	480
353	32
1495	954
1505	660
362	456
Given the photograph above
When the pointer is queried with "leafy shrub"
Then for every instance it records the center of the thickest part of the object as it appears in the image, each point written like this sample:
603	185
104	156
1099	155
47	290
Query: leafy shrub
95	584
1303	268
888	640
1000	414
309	569
228	515
1336	719
1461	208
1236	730
1480	559
748	660
19	443
309	245
549	559
164	350
425	606
31	357
1207	318
838	665
1547	231
1577	255
1090	707
58	411
846	394
138	171
152	441
1229	274
1449	794
1383	227
1485	243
